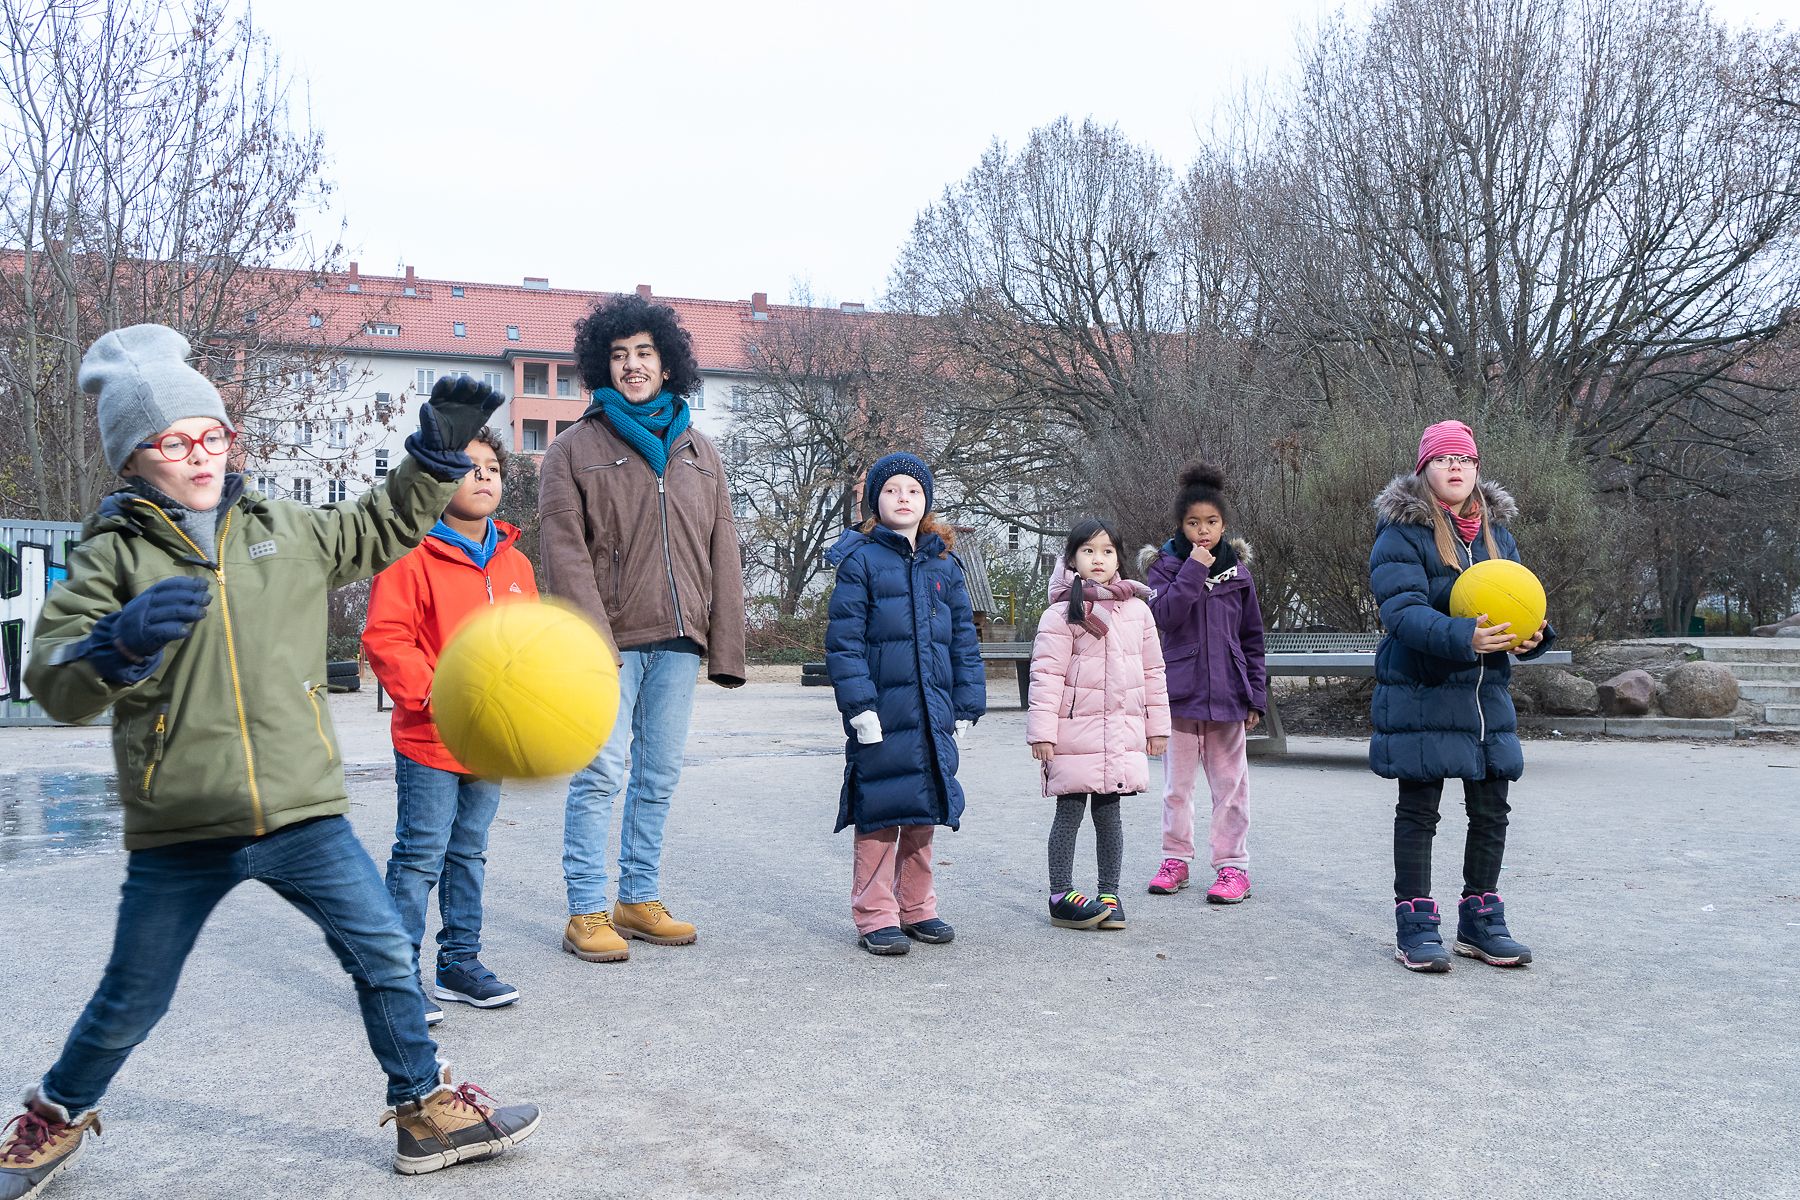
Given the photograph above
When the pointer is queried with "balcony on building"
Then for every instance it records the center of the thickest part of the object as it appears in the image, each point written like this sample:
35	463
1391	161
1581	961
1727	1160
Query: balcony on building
547	398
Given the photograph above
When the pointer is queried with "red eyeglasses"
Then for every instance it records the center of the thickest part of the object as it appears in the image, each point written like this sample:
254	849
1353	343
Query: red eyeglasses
176	446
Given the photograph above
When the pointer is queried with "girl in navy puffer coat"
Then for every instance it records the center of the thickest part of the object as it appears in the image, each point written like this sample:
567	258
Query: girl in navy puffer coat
901	650
1442	709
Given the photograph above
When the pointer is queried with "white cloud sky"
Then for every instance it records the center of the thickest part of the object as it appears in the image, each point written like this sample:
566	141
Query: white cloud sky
716	149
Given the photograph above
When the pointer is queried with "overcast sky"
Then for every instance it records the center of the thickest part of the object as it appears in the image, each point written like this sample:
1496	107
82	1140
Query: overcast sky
718	149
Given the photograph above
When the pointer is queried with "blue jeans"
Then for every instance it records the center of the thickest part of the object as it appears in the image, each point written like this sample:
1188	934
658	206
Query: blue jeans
320	868
440	840
656	699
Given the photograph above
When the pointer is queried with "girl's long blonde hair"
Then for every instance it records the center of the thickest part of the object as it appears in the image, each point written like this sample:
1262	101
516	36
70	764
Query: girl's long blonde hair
1447	542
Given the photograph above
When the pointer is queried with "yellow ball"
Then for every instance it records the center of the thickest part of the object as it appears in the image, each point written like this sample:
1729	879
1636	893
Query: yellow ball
1505	591
524	691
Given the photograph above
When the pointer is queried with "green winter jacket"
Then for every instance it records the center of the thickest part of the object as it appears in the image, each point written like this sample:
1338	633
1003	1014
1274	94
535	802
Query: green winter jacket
230	735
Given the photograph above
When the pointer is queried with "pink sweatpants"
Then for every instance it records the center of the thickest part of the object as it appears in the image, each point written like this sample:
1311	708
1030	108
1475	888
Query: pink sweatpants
1217	746
891	881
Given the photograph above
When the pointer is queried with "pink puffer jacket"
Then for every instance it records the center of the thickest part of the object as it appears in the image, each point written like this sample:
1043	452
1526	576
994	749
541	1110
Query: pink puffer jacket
1097	698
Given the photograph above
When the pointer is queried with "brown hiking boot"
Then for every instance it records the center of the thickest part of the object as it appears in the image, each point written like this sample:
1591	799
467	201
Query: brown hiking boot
451	1125
39	1143
590	937
651	922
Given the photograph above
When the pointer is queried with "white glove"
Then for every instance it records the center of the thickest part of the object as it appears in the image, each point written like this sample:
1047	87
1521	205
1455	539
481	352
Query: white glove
867	726
962	733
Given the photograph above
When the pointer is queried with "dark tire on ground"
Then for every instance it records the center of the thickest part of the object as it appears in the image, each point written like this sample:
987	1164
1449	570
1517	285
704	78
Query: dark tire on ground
343	675
815	681
807	669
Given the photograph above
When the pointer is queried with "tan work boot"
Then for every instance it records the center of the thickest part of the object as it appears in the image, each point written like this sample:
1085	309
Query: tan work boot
651	922
40	1142
451	1125
590	937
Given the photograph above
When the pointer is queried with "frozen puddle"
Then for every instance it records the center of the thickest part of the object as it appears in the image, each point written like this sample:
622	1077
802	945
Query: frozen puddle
58	813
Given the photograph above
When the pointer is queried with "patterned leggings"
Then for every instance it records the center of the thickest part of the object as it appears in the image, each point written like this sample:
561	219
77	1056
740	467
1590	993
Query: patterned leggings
1109	840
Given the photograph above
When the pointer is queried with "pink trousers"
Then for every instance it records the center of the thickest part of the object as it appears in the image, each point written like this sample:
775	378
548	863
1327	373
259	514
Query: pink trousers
891	880
1218	747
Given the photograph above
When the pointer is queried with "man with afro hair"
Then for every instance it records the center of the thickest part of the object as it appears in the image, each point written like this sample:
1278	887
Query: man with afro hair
637	531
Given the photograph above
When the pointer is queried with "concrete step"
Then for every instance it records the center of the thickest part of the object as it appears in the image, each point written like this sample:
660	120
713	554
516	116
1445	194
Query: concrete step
1671	727
1770	693
1774	652
1782	714
1754	672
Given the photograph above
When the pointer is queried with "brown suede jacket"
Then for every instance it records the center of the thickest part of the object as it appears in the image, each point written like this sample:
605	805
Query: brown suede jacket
648	559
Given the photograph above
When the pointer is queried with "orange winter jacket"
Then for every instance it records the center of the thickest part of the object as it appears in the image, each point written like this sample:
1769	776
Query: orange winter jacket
414	608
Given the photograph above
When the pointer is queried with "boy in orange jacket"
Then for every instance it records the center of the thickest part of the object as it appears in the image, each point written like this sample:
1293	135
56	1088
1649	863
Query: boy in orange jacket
466	562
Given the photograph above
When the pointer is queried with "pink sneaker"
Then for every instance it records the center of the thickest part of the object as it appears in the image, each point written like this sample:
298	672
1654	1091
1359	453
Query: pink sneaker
1230	887
1170	878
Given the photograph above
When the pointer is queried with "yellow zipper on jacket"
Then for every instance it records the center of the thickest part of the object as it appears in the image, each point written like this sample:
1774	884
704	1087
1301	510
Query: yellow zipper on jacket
162	729
319	719
237	687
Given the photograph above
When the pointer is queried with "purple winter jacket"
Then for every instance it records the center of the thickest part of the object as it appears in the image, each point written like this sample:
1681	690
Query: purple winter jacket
1212	637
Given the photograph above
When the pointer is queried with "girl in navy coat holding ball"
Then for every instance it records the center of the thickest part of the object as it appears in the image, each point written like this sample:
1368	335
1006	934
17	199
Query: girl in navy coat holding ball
1442	707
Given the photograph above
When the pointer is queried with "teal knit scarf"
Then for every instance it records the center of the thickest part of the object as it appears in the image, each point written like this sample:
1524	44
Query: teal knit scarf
650	428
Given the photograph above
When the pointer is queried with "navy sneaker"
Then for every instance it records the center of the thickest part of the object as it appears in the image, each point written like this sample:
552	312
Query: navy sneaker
885	941
1417	944
1072	910
1114	919
433	1011
933	930
471	983
1481	932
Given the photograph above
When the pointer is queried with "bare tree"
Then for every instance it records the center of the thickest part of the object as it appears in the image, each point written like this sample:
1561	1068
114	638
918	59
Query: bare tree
154	171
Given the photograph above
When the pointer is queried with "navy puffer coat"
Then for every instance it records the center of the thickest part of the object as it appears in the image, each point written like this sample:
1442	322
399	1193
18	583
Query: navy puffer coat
1441	710
901	641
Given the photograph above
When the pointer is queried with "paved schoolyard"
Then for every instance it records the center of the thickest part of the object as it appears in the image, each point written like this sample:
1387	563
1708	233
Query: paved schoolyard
1273	1049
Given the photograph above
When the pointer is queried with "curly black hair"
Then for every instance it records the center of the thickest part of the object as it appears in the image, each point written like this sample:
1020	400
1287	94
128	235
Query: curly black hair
622	316
1200	483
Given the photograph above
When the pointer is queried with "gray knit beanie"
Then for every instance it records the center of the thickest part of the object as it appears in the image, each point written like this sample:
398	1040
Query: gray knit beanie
142	377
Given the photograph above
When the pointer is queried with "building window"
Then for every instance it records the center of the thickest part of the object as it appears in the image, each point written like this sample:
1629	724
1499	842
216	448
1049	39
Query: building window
740	505
384	405
512	333
738	448
565	387
456	290
536	381
563	427
696	399
495	380
381	463
740	396
533	435
1012	537
378	329
303	489
250	317
303	433
334	492
410	290
459	329
340	434
315	320
339	378
266	485
423	378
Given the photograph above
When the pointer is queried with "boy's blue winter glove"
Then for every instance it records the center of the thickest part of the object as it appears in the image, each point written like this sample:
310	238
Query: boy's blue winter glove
127	645
458	409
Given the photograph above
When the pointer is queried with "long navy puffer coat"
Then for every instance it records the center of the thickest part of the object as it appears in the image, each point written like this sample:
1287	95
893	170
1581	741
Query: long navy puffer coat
1441	711
901	641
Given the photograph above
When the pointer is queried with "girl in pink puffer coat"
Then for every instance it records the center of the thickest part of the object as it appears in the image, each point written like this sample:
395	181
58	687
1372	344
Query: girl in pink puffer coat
1099	708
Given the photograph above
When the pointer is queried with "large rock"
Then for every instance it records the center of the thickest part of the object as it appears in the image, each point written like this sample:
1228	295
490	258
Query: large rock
1628	694
1699	689
1791	631
1786	627
1557	692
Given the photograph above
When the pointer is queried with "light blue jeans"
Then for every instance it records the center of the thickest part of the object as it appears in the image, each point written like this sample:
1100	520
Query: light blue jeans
441	825
656	700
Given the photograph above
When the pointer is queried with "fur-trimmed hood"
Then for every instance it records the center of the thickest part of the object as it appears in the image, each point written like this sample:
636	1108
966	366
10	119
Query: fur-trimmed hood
1407	500
1240	548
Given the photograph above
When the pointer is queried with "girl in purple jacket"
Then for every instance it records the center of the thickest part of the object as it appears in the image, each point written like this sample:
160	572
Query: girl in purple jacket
1212	641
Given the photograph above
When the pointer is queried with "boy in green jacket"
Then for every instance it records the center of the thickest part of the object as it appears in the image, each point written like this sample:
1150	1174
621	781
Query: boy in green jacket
196	611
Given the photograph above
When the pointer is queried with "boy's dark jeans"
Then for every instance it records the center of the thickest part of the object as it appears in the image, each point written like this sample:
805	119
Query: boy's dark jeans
1415	821
320	868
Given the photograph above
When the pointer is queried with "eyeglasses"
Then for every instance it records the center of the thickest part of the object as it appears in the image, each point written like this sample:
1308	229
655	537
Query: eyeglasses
1455	460
176	446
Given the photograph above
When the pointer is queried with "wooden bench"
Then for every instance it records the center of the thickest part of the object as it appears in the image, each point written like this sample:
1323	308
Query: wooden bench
1316	655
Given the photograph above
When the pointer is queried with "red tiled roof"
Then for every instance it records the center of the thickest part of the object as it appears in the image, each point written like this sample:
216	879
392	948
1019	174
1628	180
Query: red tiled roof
545	318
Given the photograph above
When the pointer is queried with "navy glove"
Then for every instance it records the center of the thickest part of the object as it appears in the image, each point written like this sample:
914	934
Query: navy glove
162	613
126	646
458	409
